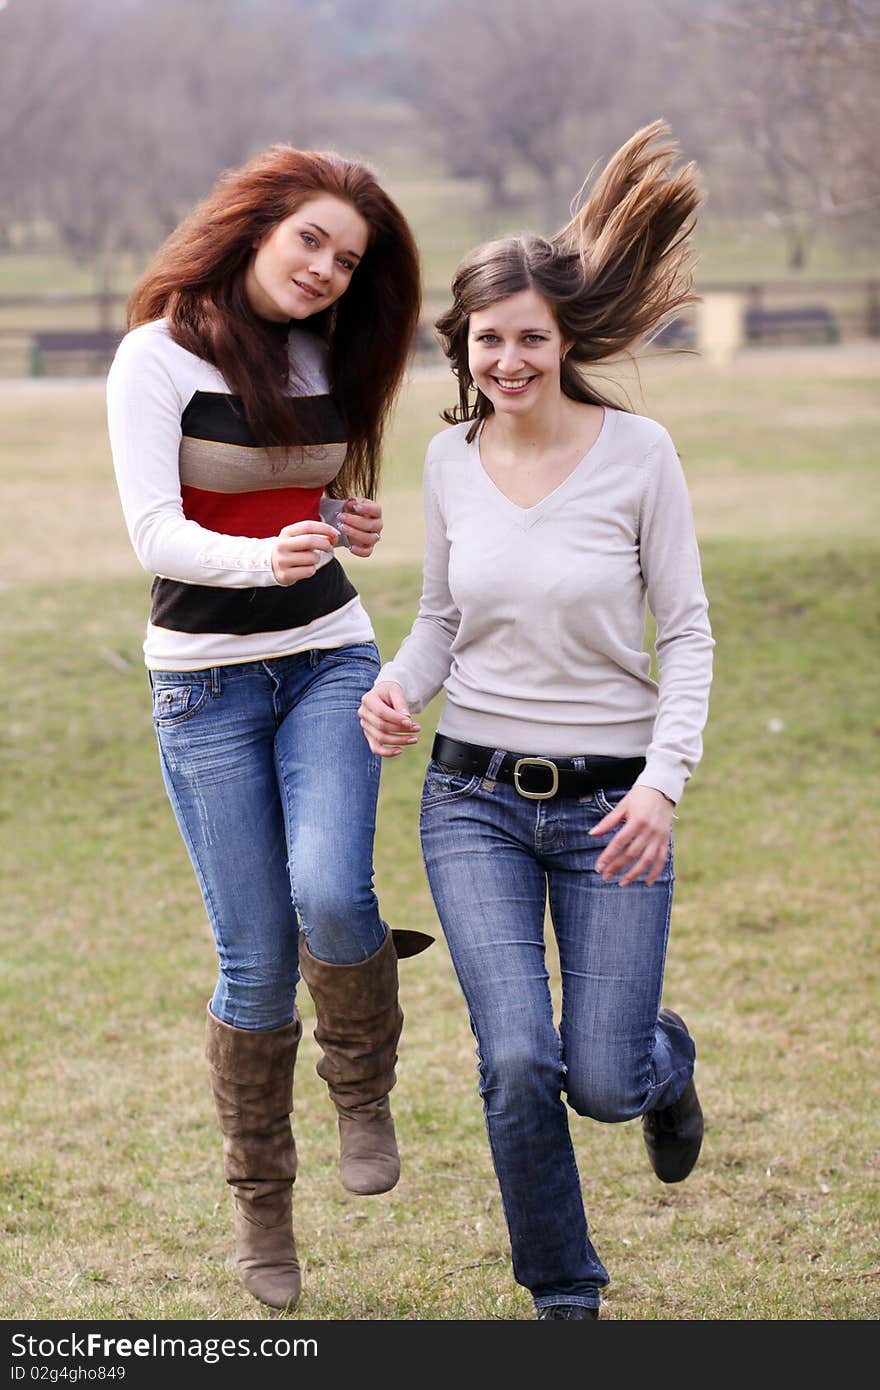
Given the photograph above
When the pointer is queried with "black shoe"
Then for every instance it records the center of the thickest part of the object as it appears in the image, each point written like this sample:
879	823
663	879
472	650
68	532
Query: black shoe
673	1135
566	1312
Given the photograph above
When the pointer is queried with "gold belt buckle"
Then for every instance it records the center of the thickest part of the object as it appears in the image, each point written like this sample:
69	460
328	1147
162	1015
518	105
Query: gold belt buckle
536	762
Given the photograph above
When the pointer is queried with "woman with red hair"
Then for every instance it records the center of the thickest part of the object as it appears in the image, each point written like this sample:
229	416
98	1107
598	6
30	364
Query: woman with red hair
246	405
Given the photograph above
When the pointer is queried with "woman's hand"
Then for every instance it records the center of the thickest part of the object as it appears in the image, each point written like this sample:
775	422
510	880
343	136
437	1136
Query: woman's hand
297	549
361	521
386	721
641	846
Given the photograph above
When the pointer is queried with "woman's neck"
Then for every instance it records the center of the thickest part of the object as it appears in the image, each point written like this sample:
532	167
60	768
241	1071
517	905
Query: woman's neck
542	430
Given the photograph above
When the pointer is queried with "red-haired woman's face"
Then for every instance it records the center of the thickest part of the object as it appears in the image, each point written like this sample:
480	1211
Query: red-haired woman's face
306	262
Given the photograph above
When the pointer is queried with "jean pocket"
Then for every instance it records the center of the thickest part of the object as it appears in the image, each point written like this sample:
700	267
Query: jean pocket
174	704
444	784
355	651
609	798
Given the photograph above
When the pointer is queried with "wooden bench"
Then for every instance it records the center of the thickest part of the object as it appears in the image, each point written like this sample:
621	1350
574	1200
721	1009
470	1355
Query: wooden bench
677	333
426	343
82	352
809	323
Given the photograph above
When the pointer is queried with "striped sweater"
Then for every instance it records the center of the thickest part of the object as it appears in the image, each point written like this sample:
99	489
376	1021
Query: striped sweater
203	502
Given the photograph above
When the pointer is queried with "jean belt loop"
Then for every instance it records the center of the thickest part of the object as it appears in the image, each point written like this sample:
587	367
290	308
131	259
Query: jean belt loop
580	764
492	770
216	686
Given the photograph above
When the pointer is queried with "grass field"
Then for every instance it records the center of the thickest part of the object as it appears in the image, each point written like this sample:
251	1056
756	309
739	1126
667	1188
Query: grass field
112	1202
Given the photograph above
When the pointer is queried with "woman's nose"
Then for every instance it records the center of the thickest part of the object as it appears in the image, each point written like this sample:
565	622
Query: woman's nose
321	265
509	360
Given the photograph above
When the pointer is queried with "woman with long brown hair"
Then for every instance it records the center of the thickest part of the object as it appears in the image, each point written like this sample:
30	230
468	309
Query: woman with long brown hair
553	518
247	403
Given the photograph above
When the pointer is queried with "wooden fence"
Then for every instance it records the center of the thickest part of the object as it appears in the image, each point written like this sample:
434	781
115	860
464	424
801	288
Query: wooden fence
26	319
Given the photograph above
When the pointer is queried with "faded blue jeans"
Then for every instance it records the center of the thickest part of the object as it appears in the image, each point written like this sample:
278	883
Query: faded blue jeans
492	859
274	790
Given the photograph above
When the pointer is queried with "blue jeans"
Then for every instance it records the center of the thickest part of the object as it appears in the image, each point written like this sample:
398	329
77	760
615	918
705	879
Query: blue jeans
492	859
274	790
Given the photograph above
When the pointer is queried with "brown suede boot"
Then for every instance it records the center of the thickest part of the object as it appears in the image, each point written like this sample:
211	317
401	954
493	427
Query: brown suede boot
252	1081
358	1023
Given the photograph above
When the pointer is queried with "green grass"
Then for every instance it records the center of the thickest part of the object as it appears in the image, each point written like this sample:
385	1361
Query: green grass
112	1203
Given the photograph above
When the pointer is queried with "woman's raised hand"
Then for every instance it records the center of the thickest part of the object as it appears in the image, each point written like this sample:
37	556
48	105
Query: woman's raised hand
297	550
386	721
361	521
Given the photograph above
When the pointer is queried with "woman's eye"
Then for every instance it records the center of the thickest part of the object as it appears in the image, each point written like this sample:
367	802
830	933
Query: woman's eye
346	265
309	239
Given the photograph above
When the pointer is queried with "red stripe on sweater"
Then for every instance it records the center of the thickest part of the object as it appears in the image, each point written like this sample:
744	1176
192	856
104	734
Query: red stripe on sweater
257	514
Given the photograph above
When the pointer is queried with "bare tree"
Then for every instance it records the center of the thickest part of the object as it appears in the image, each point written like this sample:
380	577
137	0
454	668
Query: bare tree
511	85
118	114
507	86
44	78
791	92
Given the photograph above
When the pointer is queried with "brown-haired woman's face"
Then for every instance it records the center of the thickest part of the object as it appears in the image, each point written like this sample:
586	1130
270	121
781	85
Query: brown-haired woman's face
306	262
515	350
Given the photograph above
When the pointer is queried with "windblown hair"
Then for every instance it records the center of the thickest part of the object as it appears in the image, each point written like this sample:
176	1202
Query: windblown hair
197	281
615	273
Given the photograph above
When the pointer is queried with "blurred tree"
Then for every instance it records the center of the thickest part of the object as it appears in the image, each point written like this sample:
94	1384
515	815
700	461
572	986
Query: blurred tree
44	76
506	86
119	114
790	96
511	85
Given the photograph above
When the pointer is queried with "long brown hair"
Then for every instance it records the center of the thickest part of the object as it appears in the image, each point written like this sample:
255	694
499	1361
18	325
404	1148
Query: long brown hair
616	272
197	281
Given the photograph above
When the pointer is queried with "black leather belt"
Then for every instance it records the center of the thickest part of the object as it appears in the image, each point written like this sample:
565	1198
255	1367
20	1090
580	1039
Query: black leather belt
538	779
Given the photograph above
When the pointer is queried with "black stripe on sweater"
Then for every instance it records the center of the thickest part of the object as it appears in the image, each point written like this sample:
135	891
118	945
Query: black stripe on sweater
205	608
220	418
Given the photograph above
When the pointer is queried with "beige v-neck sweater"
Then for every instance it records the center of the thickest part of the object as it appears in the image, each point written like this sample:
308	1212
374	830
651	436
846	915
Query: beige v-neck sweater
532	619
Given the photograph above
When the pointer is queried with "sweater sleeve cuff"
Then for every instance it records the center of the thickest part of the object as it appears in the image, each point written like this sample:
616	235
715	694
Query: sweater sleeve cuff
388	673
668	778
239	562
